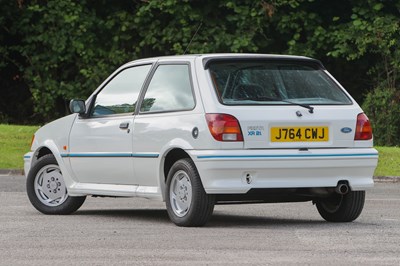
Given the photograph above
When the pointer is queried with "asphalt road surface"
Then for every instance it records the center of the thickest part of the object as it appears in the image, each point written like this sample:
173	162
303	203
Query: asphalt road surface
109	231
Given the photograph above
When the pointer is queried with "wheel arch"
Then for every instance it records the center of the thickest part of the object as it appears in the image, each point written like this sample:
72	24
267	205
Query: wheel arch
49	147
169	158
39	153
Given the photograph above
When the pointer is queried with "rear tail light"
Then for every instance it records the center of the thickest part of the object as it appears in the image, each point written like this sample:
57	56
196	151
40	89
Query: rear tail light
363	128
224	127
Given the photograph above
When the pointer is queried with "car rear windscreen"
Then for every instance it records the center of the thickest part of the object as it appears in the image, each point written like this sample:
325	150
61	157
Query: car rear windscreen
266	83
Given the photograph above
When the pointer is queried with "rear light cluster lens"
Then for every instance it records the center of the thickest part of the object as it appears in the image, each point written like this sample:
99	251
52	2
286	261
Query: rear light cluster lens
224	127
363	128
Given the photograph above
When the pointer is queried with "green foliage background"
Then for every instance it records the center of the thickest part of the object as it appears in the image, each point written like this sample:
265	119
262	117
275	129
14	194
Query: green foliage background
55	50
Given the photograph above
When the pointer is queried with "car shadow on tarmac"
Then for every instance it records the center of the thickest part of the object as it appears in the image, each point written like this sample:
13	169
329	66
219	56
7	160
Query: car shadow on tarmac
151	215
233	220
217	220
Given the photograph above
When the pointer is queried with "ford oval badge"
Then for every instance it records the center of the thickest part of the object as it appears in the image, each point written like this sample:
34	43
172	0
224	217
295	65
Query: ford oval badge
346	130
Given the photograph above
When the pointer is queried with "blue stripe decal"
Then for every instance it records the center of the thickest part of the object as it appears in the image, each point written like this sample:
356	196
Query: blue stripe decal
284	156
145	155
27	157
108	155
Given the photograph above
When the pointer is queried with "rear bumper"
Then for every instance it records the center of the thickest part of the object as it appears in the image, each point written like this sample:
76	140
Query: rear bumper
238	171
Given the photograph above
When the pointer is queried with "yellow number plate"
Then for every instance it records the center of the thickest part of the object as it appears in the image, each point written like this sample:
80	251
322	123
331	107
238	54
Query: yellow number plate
292	134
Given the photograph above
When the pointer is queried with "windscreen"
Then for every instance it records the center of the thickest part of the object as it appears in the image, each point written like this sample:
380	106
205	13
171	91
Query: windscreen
253	83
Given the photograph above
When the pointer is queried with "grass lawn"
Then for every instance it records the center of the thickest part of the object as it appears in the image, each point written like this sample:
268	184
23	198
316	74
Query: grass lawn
15	142
389	161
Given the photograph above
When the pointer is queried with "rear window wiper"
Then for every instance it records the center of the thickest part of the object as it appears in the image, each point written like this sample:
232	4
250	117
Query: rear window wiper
265	98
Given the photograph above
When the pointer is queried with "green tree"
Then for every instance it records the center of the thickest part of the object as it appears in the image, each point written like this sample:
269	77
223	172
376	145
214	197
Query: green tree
67	49
361	34
373	29
169	26
383	108
63	49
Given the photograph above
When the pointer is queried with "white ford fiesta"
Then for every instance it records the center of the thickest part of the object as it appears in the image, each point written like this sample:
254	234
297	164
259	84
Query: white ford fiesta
200	130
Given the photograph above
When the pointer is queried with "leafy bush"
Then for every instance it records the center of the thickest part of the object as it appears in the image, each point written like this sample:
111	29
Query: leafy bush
382	105
3	118
55	50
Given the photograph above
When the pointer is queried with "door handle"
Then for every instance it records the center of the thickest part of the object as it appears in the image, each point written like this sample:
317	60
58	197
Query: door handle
124	125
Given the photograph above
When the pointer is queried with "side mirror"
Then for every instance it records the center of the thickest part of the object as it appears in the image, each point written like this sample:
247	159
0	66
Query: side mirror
77	107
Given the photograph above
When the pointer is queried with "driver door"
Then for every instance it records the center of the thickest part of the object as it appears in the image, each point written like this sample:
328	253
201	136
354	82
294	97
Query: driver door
101	144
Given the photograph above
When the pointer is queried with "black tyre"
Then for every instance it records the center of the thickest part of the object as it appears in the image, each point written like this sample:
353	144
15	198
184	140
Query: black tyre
342	208
187	202
47	190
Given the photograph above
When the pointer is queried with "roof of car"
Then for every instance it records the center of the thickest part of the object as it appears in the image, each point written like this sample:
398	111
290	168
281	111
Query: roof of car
207	58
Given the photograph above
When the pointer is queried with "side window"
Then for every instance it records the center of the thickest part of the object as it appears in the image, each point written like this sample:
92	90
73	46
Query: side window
120	95
169	90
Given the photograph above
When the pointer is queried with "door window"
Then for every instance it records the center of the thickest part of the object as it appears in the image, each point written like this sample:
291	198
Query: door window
120	95
169	90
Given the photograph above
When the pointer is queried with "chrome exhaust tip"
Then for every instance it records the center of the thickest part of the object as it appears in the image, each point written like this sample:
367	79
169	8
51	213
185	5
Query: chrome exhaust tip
342	189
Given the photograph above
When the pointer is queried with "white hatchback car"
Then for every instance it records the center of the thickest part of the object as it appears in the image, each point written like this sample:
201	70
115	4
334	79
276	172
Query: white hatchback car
199	130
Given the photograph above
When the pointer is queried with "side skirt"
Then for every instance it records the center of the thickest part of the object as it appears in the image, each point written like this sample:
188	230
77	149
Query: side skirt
111	190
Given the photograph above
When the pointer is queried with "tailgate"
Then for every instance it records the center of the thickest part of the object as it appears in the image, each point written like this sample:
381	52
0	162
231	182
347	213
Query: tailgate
288	126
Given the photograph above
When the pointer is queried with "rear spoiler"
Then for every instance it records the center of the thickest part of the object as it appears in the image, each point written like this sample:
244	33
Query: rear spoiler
267	59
